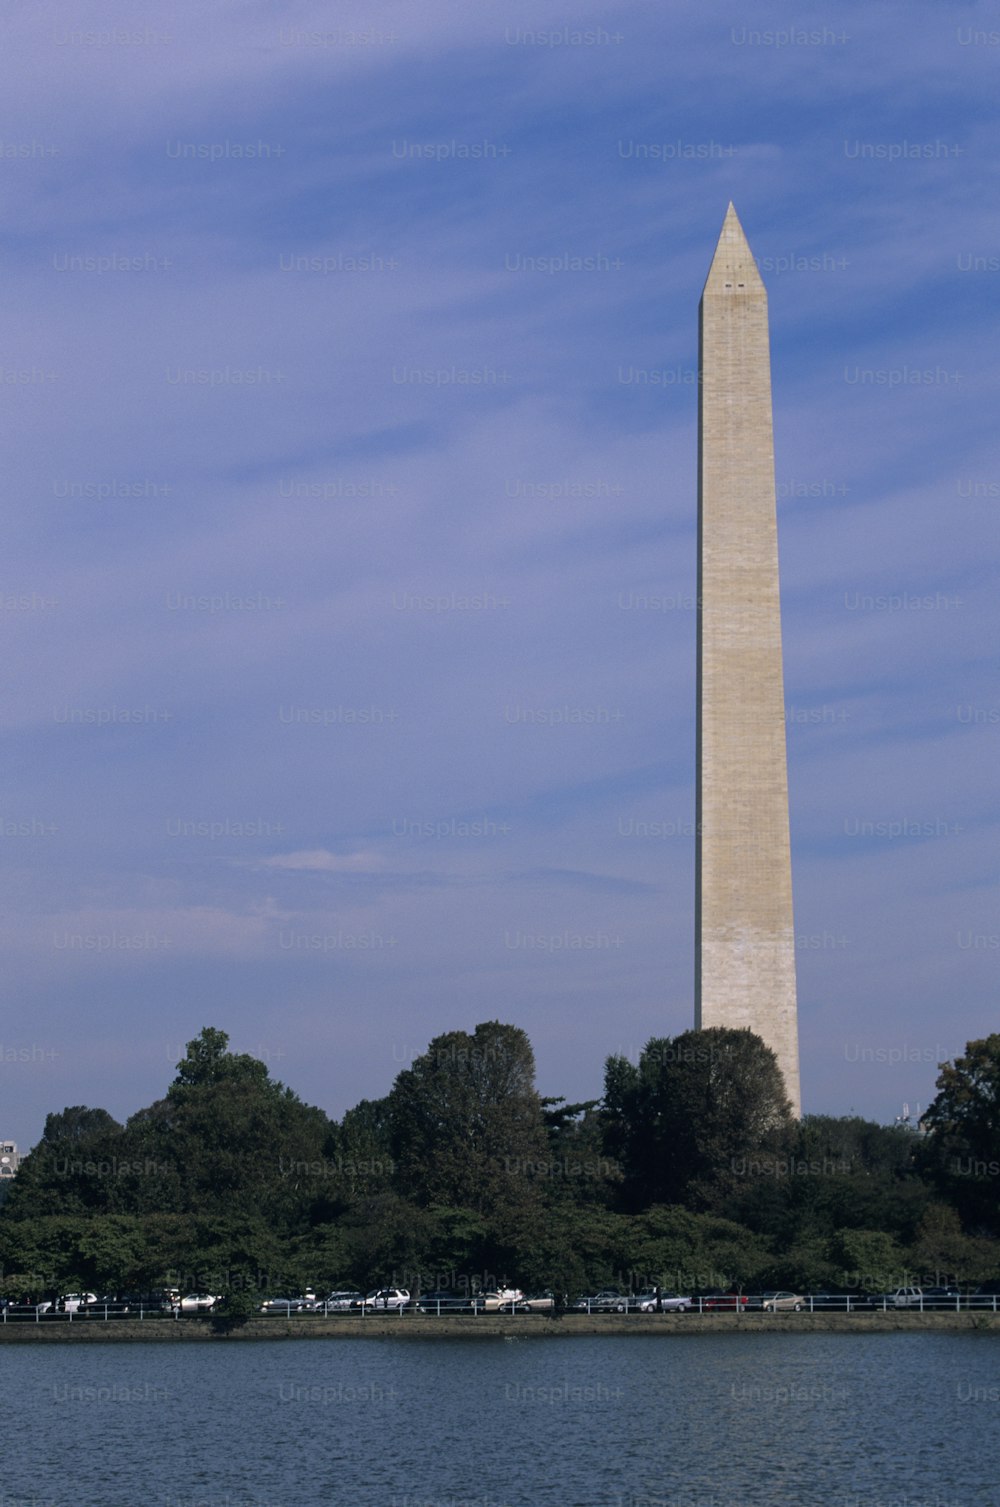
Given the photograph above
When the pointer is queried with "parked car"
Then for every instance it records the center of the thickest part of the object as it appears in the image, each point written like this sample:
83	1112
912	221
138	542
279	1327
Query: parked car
717	1301
157	1301
70	1302
608	1300
199	1302
774	1302
673	1302
343	1299
384	1299
105	1305
537	1302
901	1297
942	1297
499	1300
441	1302
24	1310
634	1302
287	1305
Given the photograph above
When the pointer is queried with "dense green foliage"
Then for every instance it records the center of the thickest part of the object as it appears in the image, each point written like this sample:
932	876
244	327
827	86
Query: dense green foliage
690	1172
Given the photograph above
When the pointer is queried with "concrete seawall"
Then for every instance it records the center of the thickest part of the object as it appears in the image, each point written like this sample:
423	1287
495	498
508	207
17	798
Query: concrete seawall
526	1326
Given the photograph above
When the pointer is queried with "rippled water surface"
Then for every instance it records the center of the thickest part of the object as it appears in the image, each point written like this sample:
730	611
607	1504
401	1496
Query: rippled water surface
743	1420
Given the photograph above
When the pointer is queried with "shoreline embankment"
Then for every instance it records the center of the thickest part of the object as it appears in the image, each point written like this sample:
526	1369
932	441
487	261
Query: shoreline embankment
503	1326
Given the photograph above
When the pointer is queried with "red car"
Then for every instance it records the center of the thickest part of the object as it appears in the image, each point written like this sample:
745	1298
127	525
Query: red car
723	1300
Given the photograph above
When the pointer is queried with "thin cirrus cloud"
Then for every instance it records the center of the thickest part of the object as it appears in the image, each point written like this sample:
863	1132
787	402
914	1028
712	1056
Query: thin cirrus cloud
319	861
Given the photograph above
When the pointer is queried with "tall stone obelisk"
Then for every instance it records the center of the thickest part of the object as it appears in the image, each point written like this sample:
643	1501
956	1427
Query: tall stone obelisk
745	940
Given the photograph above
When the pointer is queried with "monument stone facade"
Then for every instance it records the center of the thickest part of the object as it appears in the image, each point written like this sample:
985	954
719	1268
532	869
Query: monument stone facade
745	938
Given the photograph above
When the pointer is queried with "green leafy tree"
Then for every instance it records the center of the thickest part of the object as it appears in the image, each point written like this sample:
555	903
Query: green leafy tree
78	1124
48	1250
871	1260
578	1168
358	1160
208	1060
321	1255
804	1266
577	1249
226	1139
690	1171
694	1114
684	1250
832	1173
963	1150
67	1172
209	1181
113	1252
238	1306
466	1123
385	1237
225	1251
944	1253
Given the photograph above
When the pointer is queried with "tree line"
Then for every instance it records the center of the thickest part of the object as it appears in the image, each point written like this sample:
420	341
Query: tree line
689	1172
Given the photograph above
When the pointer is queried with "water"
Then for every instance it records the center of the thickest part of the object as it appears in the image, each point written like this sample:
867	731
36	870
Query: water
743	1420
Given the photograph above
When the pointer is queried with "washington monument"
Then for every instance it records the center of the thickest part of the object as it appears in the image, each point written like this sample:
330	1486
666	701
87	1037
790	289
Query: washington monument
744	936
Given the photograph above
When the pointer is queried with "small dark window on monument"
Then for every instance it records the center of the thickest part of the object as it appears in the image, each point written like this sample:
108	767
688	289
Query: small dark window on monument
741	285
729	285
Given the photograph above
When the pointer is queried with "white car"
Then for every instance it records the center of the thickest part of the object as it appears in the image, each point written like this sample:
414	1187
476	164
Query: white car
674	1302
199	1302
903	1297
385	1299
71	1302
337	1302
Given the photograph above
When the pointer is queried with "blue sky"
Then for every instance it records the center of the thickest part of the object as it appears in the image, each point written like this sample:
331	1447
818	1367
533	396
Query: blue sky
349	528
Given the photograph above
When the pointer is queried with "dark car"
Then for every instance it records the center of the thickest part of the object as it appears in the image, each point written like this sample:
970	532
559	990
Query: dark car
149	1302
717	1301
107	1306
440	1302
286	1305
942	1297
900	1297
14	1310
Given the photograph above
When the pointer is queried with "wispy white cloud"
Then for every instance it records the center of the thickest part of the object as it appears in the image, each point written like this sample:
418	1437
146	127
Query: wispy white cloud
319	861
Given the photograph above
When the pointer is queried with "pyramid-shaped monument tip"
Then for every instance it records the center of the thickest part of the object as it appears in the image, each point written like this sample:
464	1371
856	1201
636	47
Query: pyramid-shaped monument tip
733	268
